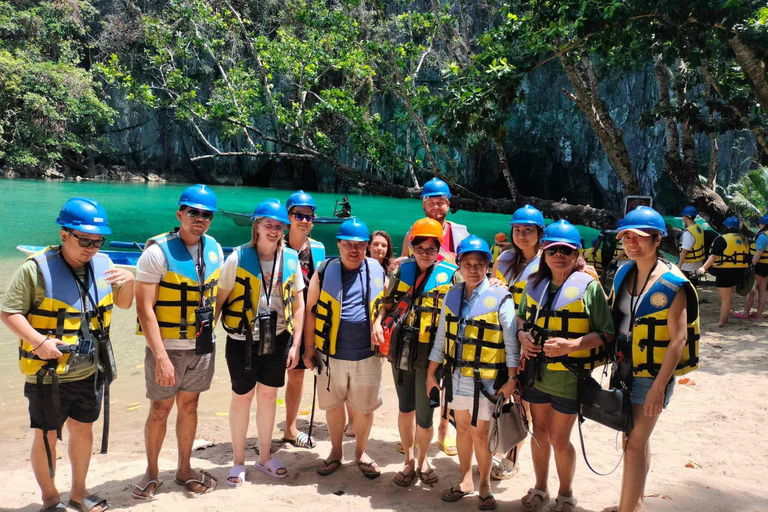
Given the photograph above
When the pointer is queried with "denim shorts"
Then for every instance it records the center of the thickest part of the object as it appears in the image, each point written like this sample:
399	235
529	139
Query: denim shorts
641	386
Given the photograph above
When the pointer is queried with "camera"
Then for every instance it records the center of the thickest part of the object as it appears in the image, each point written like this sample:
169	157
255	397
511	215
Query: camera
267	333
407	339
204	330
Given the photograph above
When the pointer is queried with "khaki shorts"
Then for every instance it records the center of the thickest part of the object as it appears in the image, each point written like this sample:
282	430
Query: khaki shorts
467	403
193	373
358	382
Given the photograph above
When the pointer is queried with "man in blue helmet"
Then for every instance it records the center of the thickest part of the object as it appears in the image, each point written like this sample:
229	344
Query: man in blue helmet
436	201
691	245
177	281
343	300
46	301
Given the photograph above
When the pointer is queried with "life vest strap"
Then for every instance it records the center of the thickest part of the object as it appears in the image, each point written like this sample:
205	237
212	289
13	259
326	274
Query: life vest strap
179	286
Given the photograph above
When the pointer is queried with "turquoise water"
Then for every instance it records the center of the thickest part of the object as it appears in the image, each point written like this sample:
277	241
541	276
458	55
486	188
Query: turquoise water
139	211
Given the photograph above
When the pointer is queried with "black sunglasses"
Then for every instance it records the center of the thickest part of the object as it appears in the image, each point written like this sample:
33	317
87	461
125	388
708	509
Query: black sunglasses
309	217
87	242
562	249
193	214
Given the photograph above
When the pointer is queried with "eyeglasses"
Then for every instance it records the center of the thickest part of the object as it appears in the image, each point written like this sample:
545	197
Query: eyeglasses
193	214
562	249
425	252
87	242
350	245
309	217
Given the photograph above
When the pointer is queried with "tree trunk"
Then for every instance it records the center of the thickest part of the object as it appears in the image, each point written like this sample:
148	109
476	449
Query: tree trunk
409	164
753	67
714	151
498	141
584	80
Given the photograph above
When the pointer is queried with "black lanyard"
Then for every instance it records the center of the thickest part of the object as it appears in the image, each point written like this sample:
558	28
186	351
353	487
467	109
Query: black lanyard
200	269
268	293
633	306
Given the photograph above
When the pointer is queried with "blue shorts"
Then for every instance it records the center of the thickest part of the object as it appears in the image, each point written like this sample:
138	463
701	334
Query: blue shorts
641	386
561	405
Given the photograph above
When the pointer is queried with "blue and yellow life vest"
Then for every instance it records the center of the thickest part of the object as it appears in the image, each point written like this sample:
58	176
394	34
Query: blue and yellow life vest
506	273
328	306
696	252
318	252
753	249
242	305
178	293
426	306
482	353
650	334
567	318
594	256
736	254
61	312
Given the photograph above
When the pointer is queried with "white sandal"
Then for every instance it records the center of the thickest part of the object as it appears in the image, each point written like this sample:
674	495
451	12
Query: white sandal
561	501
238	471
504	469
533	492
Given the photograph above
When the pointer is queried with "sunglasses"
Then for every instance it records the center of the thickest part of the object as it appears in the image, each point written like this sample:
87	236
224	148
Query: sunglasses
87	242
309	217
562	249
193	214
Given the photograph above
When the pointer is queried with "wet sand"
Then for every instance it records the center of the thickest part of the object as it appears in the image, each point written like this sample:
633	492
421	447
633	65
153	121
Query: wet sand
708	449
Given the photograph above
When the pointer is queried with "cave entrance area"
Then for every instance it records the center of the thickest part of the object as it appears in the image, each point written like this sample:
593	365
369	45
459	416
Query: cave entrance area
281	173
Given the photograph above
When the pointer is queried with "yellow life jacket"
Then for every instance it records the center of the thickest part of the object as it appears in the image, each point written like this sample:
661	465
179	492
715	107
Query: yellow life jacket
479	351
594	256
695	253
650	334
736	254
426	306
753	249
495	251
62	311
242	305
178	293
328	306
505	272
567	317
619	248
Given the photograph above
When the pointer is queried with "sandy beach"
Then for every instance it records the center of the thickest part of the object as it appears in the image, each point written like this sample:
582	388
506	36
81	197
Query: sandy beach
708	449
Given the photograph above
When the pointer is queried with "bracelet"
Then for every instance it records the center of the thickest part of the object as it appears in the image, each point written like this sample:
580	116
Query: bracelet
41	343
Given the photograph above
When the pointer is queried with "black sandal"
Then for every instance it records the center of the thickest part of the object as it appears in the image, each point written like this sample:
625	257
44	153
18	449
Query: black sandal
89	503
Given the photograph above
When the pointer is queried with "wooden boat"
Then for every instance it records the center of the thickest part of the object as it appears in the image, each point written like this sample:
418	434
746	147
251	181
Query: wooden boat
244	219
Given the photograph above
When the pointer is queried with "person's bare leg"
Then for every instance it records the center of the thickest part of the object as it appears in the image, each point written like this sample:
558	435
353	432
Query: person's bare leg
154	435
423	439
541	417
239	418
39	458
266	408
336	419
464	447
483	456
350	427
406	425
80	449
561	426
726	299
363	423
748	303
293	389
186	427
762	282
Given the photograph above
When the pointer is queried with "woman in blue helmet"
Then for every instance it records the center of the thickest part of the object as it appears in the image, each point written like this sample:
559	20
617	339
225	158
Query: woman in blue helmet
760	264
729	256
656	314
563	320
475	316
261	302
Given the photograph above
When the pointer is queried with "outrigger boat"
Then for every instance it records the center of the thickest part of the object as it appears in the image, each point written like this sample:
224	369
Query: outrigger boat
244	219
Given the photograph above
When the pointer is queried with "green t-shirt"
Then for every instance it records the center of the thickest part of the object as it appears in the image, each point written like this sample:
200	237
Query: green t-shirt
25	293
565	384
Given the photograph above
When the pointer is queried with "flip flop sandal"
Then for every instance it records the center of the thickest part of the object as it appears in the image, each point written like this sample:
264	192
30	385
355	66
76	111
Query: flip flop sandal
56	507
373	470
740	315
89	503
271	468
532	493
141	490
448	446
302	441
407	479
401	449
561	501
206	481
453	495
487	503
428	477
330	466
238	471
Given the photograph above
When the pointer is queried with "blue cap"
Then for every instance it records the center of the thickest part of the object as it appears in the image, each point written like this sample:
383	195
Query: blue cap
731	222
764	219
354	230
473	244
527	215
200	197
690	211
435	188
562	232
271	209
86	215
644	218
300	198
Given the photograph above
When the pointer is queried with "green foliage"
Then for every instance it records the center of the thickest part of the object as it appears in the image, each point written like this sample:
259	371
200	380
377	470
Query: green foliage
749	196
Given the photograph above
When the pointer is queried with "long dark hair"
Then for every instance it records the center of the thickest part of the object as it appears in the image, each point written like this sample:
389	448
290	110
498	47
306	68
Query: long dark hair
545	272
519	258
388	256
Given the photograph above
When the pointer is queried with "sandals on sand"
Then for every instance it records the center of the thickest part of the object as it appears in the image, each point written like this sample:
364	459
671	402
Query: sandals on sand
561	501
428	477
239	471
89	503
528	498
448	446
302	441
369	469
453	495
406	479
401	449
487	503
329	467
139	490
206	481
504	469
55	507
272	468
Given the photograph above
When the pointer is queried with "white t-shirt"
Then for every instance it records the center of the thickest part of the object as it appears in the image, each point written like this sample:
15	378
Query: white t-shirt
151	268
687	244
227	282
624	306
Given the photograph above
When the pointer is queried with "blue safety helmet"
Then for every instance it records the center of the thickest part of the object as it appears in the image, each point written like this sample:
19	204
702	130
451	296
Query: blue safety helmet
690	211
473	244
300	198
200	197
85	215
271	209
764	220
527	215
354	230
644	218
562	232
435	188
731	222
